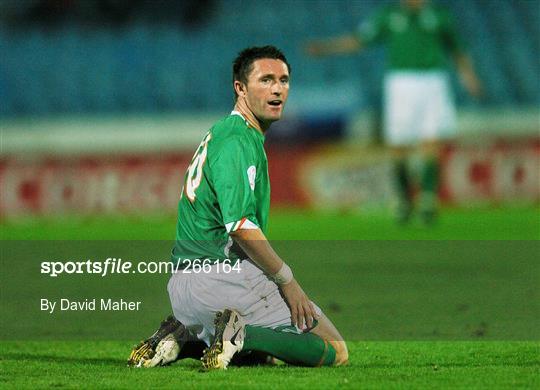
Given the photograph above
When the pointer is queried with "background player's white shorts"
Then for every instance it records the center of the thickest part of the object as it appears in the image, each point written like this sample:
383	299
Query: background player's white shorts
196	297
418	107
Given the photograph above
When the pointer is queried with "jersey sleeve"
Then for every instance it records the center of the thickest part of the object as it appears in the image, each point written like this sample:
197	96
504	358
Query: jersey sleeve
451	37
373	29
232	169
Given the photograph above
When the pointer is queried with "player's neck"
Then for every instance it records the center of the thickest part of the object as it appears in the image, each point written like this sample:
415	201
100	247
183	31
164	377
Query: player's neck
253	121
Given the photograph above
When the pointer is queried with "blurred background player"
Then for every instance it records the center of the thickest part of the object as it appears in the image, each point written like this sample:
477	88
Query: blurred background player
418	105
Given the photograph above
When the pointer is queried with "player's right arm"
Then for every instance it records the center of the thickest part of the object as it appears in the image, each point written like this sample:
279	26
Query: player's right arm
257	247
344	44
371	30
231	162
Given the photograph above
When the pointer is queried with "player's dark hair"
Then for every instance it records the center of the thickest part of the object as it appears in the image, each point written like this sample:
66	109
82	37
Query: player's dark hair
243	64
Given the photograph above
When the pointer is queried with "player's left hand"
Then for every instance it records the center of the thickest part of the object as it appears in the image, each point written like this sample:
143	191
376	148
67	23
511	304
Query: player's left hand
473	85
302	310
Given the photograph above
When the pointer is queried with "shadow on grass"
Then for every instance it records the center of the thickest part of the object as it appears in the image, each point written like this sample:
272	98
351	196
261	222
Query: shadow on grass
63	359
437	366
192	364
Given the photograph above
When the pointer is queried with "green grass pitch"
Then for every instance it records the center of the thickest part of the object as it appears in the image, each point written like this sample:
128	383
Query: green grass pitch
385	365
456	305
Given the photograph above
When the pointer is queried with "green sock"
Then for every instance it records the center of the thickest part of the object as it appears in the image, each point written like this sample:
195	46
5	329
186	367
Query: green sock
305	349
403	181
430	175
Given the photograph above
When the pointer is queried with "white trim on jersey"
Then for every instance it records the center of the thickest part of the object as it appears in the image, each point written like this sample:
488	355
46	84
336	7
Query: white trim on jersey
234	112
244	223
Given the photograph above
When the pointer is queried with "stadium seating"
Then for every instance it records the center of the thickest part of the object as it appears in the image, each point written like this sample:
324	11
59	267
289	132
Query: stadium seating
145	66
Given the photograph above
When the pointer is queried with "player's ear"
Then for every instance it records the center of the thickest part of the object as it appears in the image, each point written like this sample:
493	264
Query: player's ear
240	88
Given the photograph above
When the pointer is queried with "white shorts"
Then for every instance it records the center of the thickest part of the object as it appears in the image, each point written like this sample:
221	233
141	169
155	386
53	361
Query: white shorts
418	107
196	297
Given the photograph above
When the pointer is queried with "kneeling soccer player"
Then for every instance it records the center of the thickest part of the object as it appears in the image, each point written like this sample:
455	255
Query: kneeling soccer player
255	303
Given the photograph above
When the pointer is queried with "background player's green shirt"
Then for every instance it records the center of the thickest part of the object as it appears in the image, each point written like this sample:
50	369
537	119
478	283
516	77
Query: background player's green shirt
416	40
226	187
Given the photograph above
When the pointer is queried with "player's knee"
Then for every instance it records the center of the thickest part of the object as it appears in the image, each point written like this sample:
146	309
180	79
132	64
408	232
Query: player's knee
342	353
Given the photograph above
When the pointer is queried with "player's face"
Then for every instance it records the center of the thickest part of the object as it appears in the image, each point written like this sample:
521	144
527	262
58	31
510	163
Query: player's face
267	89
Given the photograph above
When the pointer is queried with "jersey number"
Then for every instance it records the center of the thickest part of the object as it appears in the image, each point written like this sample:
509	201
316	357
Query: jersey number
195	169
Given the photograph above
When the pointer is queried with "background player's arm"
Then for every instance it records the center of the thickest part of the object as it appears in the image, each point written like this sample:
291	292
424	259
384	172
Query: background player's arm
344	44
370	31
467	74
257	247
457	49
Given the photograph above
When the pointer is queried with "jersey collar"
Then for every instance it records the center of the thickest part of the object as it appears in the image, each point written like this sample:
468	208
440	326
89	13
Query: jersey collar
234	112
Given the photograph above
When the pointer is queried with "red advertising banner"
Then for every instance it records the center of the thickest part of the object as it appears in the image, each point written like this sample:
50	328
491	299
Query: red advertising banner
328	177
128	183
505	170
91	184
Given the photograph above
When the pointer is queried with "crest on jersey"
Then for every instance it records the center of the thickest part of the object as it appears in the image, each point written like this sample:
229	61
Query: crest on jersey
252	172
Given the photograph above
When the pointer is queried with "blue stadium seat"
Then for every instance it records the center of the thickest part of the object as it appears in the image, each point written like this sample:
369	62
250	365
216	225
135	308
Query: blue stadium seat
154	67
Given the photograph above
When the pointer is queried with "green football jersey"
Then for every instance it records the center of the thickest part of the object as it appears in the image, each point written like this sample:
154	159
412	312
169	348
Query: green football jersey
226	187
416	40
